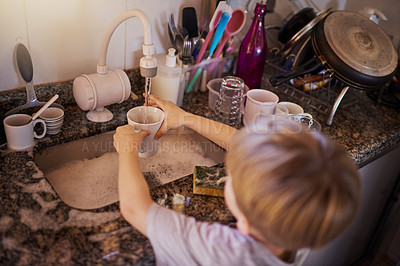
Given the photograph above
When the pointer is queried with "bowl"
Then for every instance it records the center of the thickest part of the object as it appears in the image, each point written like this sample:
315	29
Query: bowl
54	118
52	113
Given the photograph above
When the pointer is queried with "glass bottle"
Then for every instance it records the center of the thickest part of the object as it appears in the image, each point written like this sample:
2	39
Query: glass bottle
228	108
253	50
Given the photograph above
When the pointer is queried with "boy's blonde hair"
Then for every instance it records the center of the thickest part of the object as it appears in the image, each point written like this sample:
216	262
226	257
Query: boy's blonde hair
296	188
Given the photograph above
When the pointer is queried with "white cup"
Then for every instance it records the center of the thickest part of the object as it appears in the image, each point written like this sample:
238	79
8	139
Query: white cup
280	110
54	119
20	132
258	99
136	117
307	120
294	109
52	114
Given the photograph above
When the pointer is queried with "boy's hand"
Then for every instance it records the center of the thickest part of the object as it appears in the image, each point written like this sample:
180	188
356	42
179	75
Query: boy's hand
126	140
174	116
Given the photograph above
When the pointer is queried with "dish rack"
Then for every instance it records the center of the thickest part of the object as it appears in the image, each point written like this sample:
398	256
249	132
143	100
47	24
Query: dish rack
324	100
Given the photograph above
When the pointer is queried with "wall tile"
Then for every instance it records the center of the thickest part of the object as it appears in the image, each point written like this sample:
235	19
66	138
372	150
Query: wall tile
390	8
65	36
159	20
12	31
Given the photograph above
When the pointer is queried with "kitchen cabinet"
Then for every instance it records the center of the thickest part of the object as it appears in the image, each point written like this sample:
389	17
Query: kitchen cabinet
379	178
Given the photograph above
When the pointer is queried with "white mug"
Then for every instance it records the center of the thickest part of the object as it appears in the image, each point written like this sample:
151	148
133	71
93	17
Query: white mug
281	110
258	99
19	129
155	117
294	108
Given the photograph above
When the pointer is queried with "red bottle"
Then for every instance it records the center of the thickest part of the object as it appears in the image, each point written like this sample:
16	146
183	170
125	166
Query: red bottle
253	50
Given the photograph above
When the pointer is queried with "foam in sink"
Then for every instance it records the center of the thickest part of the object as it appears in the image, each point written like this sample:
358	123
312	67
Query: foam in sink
84	173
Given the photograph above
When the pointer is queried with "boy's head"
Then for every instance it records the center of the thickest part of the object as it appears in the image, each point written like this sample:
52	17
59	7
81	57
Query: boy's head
295	188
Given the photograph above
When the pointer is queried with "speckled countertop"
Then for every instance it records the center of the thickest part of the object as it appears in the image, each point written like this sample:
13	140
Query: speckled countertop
36	227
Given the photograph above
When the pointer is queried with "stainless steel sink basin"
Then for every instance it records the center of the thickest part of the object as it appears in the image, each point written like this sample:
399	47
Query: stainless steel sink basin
84	173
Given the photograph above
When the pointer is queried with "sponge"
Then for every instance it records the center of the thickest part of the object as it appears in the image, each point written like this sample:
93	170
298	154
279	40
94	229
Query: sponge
209	180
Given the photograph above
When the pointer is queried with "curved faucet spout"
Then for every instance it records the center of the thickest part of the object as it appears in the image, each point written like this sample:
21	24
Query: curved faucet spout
148	47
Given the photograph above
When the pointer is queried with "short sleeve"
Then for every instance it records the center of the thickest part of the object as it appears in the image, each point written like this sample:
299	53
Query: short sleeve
178	239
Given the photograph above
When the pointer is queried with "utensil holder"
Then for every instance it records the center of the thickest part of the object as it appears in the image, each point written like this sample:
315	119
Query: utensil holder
210	69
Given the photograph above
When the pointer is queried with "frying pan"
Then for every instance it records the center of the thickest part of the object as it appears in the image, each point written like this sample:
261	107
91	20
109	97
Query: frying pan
304	53
357	50
295	23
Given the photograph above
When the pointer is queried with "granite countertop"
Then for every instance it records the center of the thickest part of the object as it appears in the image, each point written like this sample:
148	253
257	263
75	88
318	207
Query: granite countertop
36	227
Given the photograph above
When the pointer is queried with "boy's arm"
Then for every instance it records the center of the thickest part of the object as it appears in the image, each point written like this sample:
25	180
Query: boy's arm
134	193
217	132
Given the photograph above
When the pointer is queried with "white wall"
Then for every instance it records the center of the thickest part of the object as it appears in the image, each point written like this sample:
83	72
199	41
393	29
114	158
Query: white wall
285	8
390	8
64	36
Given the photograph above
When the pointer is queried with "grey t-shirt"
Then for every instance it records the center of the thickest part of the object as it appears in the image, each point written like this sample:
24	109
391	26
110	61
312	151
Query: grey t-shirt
178	239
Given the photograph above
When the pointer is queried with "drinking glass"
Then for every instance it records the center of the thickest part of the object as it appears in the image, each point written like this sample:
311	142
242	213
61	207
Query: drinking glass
228	108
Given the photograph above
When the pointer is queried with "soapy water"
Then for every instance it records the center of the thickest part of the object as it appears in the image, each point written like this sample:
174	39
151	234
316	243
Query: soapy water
93	183
94	180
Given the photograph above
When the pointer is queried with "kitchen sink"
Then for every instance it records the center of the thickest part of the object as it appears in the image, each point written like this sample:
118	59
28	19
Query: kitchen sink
84	172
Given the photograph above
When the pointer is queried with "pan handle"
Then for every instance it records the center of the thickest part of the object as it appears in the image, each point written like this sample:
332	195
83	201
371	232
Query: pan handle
311	65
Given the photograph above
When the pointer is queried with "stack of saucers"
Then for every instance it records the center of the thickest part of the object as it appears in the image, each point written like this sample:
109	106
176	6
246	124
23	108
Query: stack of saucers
54	118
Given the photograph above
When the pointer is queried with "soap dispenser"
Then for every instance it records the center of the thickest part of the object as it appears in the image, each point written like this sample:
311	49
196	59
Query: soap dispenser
166	84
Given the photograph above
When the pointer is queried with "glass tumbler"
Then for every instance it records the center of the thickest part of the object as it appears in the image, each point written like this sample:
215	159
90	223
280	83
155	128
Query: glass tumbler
228	108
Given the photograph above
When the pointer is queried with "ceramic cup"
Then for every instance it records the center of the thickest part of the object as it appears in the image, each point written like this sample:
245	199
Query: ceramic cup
307	120
54	118
281	110
20	131
280	113
258	99
155	117
294	108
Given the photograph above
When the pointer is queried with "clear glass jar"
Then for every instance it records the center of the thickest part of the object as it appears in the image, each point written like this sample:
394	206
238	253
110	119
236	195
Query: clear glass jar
228	108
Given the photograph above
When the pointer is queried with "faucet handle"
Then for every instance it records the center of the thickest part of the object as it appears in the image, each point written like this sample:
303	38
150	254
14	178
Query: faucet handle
148	66
148	63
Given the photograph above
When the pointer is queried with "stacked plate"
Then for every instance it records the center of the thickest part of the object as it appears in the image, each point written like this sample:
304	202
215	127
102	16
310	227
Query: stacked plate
54	118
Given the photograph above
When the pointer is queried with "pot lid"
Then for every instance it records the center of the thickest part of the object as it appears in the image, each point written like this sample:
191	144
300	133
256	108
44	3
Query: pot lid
360	43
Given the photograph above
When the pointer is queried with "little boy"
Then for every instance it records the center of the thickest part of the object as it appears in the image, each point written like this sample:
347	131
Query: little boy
289	190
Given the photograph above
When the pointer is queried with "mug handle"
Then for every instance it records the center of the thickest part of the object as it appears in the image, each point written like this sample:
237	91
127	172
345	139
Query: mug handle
307	114
44	128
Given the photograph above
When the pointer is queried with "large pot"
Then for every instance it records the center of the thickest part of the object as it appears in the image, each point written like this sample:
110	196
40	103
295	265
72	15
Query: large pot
356	50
